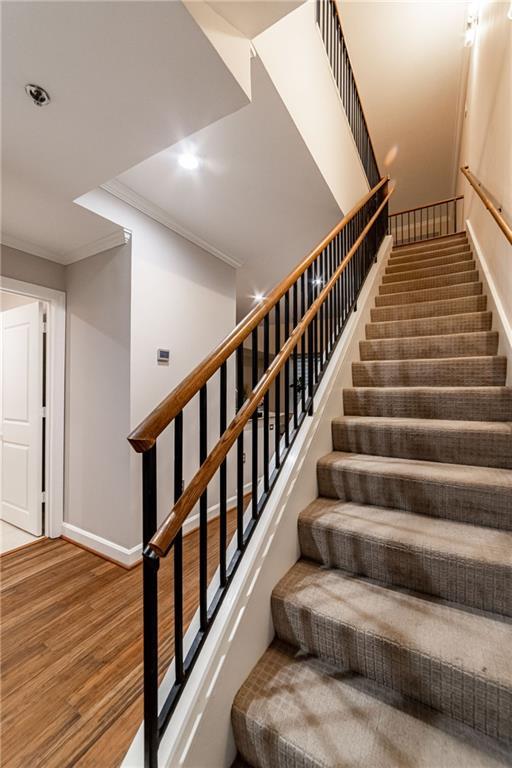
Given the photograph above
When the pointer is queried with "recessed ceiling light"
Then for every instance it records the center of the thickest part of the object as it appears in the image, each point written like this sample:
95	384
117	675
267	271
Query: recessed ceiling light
188	161
258	297
38	94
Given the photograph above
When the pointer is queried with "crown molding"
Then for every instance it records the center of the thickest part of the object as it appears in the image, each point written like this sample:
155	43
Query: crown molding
142	204
28	247
105	243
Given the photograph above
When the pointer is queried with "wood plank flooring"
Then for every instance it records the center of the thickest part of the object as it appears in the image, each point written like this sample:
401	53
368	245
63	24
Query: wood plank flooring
71	642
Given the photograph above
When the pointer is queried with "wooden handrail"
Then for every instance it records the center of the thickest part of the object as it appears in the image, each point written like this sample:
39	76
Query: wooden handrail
495	212
164	537
427	205
144	436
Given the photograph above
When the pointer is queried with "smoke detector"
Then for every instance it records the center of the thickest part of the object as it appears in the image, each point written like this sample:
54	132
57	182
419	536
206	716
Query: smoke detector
38	94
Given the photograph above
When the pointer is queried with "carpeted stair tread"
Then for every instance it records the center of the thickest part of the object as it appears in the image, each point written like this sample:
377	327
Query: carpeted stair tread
471	322
439	345
432	244
297	711
441	308
425	263
427	255
461	563
408	274
455	661
443	372
429	294
466	493
436	281
455	442
464	403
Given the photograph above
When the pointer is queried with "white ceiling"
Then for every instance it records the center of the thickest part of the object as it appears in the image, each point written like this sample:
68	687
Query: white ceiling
123	85
253	16
258	195
408	60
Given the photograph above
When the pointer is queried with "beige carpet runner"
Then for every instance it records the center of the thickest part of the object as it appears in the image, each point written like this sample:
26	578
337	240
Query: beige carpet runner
394	631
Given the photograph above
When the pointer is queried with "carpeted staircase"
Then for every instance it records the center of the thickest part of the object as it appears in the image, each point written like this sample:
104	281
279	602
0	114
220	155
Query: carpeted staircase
393	632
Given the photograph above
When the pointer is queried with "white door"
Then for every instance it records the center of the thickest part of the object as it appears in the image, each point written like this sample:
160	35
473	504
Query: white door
22	451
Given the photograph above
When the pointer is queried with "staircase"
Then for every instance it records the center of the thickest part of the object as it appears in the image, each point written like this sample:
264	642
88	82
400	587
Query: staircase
393	632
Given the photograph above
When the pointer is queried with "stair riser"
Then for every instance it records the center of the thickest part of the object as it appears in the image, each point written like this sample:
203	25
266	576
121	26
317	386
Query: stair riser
430	309
468	372
419	274
474	584
430	294
491	508
439	261
429	282
440	244
464	447
454	691
465	406
436	253
452	345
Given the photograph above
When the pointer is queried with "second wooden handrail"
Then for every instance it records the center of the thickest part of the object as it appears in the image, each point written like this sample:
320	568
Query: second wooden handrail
495	213
144	436
163	538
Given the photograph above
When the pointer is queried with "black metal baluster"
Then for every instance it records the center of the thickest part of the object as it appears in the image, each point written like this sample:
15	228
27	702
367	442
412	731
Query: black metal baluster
266	403
240	451
223	486
203	513
277	384
254	445
178	552
150	609
310	283
287	370
303	342
295	358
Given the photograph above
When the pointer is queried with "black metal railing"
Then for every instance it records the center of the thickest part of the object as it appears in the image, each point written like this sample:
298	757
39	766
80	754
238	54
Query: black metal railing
262	379
329	22
427	222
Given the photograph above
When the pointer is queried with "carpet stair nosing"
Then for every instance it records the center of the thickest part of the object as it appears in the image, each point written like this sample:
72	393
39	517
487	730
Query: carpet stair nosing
298	711
454	268
451	441
456	403
430	309
473	344
429	294
455	278
448	371
457	562
435	261
464	493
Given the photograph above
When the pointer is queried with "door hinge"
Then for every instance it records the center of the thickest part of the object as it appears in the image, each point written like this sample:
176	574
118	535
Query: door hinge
44	326
43	411
43	497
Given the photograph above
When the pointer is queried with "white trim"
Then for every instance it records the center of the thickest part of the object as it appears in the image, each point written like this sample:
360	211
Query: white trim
121	555
112	240
500	321
142	204
56	350
200	733
28	247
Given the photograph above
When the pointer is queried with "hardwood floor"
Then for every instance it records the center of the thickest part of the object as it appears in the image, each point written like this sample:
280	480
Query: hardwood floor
71	639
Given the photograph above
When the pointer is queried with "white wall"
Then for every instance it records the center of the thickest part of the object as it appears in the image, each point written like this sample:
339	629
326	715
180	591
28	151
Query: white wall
182	299
294	56
486	145
97	480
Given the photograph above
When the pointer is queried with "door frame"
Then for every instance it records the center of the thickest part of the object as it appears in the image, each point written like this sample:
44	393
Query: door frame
55	403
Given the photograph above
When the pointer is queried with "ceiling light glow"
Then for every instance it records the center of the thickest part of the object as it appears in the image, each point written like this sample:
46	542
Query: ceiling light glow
188	161
258	297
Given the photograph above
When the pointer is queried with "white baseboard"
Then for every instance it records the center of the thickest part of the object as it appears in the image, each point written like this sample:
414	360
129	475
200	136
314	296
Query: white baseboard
500	321
122	555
